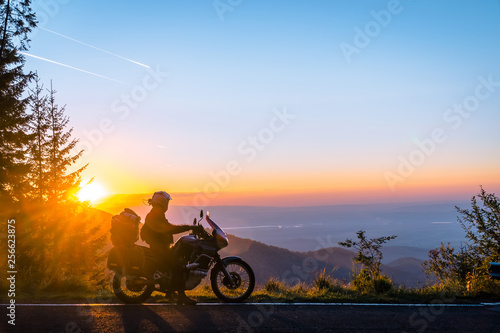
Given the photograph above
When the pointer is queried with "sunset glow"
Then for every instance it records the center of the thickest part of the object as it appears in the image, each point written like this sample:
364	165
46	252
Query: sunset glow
92	192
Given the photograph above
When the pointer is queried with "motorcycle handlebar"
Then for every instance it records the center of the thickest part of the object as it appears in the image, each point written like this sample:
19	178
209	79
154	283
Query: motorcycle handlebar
200	231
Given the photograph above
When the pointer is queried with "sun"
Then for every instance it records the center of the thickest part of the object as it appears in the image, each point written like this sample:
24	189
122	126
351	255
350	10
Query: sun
92	192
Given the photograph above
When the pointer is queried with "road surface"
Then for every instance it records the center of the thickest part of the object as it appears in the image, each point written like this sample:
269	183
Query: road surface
115	318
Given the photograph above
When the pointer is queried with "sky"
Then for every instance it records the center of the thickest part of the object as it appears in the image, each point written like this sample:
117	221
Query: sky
279	102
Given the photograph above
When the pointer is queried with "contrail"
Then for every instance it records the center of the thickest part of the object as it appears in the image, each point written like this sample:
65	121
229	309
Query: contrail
94	47
75	68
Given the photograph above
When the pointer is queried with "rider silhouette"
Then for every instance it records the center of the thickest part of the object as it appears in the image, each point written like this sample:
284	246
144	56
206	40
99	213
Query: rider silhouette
158	233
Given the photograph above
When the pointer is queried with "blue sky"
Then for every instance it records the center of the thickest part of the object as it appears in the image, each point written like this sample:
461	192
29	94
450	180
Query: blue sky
353	119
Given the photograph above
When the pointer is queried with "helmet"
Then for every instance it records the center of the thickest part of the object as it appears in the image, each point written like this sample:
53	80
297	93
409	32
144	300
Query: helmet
161	198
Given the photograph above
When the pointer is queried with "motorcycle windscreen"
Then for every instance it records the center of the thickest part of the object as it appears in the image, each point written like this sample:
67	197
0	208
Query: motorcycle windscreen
220	236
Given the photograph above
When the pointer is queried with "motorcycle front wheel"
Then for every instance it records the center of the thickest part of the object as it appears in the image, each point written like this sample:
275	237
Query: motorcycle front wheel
243	281
131	289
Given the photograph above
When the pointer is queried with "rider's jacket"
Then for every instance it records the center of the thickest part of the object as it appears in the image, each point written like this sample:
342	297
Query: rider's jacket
157	228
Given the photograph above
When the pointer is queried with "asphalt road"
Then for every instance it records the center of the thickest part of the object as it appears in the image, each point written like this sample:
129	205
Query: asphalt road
253	318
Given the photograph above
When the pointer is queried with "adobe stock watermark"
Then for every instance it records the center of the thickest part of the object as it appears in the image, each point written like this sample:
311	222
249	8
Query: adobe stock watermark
223	6
371	30
46	10
11	271
247	152
309	266
420	319
255	319
84	310
122	108
453	118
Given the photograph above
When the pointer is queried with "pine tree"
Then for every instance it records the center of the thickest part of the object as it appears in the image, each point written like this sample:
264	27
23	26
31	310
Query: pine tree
16	21
51	149
66	241
62	185
59	240
38	150
13	132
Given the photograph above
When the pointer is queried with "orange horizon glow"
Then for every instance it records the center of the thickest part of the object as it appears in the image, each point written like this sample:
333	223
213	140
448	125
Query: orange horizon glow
262	187
304	197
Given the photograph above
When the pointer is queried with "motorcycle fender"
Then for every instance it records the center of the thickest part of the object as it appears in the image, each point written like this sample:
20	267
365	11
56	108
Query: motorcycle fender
229	259
224	261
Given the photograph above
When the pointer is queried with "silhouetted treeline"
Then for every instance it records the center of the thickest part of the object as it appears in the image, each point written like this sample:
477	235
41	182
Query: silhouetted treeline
58	239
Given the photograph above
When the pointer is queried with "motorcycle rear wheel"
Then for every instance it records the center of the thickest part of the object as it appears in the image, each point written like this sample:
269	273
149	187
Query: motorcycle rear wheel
243	277
131	289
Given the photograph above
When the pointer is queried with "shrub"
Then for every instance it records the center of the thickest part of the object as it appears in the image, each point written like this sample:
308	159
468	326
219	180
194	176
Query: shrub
300	289
382	284
447	265
369	251
482	226
365	283
467	269
479	283
273	285
324	281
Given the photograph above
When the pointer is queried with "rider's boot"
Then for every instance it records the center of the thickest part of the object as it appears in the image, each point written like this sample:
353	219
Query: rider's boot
183	299
170	296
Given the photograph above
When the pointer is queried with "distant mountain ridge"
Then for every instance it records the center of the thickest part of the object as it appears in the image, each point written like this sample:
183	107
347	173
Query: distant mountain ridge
292	267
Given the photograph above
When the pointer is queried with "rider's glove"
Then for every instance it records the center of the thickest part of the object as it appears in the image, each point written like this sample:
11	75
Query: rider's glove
197	229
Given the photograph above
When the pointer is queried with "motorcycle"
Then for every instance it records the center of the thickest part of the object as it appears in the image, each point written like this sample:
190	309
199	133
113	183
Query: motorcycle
136	275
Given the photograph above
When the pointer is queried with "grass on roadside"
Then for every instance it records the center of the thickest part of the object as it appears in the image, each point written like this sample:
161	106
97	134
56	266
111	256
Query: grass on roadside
324	289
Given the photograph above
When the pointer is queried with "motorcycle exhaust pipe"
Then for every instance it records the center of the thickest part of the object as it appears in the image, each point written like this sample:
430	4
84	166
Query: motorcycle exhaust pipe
192	266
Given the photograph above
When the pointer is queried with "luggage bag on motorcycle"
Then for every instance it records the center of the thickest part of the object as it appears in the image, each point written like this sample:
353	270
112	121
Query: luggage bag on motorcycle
125	228
132	260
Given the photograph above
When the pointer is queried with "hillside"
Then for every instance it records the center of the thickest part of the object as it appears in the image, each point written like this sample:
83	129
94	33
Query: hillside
404	271
271	261
408	271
